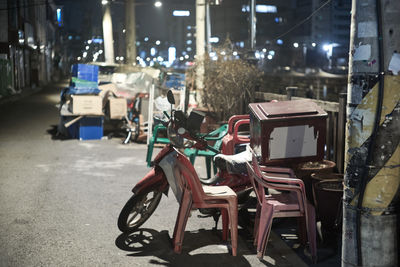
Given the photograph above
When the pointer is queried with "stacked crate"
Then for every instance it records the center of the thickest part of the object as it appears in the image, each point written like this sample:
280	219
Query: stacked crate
84	105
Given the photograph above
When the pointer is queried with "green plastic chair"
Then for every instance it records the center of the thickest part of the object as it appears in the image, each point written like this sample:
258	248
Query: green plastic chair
155	140
216	136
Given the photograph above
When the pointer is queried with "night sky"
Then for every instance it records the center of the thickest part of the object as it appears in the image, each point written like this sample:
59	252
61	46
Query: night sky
85	17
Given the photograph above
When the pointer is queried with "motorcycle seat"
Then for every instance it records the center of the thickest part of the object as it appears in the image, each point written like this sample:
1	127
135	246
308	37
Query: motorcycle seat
234	164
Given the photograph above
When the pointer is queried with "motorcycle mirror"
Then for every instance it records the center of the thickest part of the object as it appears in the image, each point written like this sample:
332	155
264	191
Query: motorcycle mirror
170	97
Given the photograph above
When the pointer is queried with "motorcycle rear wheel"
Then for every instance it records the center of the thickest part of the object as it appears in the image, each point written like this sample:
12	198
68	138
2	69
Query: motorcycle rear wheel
138	210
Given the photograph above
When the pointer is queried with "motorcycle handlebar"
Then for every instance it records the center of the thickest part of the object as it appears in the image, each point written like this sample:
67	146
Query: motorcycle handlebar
179	120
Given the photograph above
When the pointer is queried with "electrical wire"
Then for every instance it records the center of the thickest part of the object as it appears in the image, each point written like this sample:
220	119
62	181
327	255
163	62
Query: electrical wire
303	21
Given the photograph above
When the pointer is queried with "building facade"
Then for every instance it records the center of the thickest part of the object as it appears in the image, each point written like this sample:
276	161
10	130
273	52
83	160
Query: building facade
28	44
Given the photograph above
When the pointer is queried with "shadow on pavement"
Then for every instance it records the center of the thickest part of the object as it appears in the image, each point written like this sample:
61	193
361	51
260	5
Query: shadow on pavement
55	135
200	248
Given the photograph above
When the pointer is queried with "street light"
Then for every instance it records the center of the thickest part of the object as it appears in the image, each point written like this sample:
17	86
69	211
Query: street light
157	3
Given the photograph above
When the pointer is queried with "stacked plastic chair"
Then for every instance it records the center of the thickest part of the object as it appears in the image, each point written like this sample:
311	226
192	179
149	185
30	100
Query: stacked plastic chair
232	139
216	136
196	196
155	139
291	202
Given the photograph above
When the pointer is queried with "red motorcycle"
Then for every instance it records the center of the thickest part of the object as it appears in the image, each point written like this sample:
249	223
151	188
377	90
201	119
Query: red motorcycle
183	132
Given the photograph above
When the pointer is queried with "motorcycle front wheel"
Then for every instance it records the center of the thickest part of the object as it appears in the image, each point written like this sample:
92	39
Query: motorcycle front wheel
138	210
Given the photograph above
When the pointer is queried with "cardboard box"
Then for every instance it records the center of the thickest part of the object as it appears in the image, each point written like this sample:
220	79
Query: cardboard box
117	108
86	105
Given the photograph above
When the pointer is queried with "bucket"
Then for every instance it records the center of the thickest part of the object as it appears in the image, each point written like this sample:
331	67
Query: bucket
304	171
328	196
321	176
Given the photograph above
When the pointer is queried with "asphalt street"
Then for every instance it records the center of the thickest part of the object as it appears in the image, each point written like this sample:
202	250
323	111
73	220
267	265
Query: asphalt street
60	200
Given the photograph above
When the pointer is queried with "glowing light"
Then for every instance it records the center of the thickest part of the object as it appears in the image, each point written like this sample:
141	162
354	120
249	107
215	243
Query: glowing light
214	40
314	44
158	4
296	45
153	51
59	16
98	40
171	54
181	13
266	9
158	42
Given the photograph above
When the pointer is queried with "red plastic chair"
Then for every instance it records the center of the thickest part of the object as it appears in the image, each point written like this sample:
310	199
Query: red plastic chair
233	138
196	196
291	203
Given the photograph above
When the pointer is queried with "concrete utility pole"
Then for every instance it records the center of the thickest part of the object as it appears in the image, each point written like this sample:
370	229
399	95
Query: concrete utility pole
200	44
130	32
208	22
253	26
108	35
372	178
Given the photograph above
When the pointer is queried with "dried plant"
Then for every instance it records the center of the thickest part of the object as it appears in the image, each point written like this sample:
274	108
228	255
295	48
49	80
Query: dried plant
229	83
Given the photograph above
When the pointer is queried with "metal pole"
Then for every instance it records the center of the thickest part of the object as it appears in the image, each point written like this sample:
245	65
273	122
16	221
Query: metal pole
151	111
208	28
253	25
200	46
291	91
108	35
130	31
341	133
372	138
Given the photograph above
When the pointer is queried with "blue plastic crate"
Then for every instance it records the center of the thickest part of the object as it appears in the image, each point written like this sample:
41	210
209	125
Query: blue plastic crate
72	131
85	72
90	128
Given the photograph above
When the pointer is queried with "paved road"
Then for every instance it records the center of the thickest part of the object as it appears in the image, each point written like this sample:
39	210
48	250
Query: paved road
60	200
